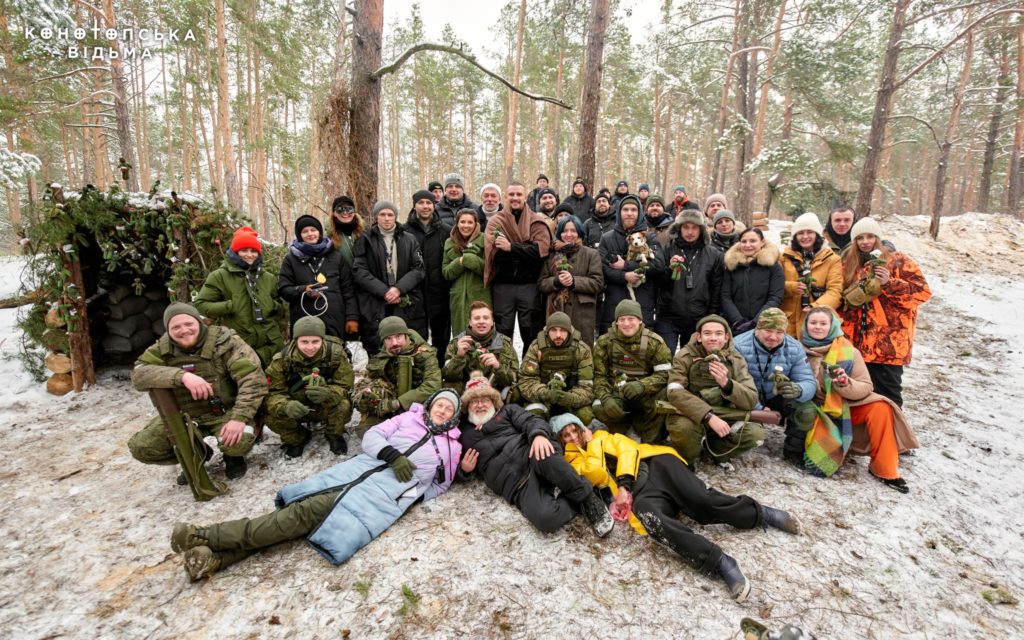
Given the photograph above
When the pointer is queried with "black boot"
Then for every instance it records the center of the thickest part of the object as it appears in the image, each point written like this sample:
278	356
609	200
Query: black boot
181	479
295	450
738	585
597	515
235	467
338	444
781	520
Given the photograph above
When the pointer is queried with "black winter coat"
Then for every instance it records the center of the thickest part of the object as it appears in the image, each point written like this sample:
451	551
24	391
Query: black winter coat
431	239
448	210
297	272
676	302
504	447
594	228
581	207
613	245
750	286
369	270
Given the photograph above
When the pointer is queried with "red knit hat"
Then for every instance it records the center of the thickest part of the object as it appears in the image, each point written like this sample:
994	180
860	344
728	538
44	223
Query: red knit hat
246	238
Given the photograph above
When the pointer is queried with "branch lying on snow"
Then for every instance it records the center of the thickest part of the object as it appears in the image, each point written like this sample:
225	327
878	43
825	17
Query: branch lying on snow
468	57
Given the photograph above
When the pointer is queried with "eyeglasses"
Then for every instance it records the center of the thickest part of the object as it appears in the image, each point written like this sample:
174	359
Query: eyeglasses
344	210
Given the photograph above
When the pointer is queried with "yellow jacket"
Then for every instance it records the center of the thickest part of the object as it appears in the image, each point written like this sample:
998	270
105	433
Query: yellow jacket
592	463
827	271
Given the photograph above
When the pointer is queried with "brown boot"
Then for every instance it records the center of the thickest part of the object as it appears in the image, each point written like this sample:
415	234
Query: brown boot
201	562
185	536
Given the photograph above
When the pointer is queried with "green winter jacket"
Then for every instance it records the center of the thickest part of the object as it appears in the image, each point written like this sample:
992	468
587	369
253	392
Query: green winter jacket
465	271
290	366
643	357
426	375
221	358
457	368
225	299
543	360
690	374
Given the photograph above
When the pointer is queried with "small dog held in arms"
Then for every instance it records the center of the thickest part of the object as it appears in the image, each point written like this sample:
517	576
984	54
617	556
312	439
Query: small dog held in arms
637	248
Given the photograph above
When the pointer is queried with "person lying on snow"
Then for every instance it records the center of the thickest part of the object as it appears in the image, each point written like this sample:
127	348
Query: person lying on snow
410	456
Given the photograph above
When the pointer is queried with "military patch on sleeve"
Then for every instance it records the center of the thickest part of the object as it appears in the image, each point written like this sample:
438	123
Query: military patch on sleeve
149	357
242	367
531	366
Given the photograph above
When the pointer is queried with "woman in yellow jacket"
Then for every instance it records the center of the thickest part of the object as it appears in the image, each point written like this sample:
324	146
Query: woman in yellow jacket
656	483
808	256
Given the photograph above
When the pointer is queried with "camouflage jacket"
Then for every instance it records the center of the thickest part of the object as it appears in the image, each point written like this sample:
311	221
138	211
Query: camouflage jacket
690	375
426	375
457	368
290	366
643	357
543	360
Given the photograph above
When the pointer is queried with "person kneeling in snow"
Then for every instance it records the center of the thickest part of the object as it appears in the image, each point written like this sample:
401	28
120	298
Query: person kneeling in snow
405	458
511	449
656	484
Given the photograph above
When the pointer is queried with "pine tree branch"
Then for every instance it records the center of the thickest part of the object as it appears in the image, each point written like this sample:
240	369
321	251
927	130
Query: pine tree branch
921	121
70	73
468	57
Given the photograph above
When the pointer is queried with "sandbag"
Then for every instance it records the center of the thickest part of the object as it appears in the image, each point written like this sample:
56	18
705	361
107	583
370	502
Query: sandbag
115	344
117	294
155	295
128	307
127	327
157	327
155	310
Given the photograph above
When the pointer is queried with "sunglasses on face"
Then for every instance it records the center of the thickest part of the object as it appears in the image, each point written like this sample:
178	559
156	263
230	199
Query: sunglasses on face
344	210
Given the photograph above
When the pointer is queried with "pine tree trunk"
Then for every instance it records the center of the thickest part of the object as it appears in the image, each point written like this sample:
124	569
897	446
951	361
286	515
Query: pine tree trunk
364	137
591	103
513	97
126	145
762	106
1015	190
223	127
333	119
951	129
985	189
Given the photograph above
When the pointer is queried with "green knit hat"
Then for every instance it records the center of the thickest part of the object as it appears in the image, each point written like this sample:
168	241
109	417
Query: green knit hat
559	319
309	326
390	326
714	318
773	318
629	308
180	308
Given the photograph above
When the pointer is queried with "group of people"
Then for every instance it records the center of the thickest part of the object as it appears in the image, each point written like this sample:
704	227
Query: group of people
654	335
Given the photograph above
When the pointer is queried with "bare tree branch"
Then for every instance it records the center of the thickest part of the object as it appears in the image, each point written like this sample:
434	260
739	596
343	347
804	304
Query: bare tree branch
468	57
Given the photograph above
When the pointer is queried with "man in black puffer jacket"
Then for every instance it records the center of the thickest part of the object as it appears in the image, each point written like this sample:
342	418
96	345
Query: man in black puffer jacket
454	200
581	202
511	449
431	233
621	272
601	221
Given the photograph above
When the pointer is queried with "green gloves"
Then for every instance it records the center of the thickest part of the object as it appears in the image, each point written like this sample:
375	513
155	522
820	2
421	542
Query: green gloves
552	396
317	394
788	389
295	409
612	407
403	468
633	390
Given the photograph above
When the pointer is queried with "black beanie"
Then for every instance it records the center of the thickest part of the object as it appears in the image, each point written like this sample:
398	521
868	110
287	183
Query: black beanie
562	208
307	221
422	194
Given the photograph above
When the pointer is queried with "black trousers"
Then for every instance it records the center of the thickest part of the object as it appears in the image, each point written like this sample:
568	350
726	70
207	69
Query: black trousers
672	488
520	301
888	380
536	500
440	332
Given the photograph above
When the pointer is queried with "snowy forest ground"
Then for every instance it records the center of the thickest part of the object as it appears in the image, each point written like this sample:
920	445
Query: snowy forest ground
84	528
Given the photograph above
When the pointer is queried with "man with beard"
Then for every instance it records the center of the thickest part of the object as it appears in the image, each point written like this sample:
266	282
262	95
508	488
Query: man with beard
621	191
681	202
624	274
511	449
547	200
837	230
490	196
426	226
600	222
480	348
557	374
580	201
516	243
454	199
658	220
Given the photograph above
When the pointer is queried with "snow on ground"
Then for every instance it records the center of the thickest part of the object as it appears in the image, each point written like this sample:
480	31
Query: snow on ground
84	529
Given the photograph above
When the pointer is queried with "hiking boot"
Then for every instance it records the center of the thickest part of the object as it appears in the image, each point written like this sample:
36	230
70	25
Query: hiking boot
235	467
295	450
181	479
738	585
185	536
201	562
781	520
597	515
338	444
899	484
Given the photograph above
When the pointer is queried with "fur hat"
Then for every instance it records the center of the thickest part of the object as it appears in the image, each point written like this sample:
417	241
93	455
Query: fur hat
807	222
723	214
773	318
309	326
246	238
478	387
422	194
713	198
560	320
307	221
385	204
178	309
453	178
692	216
563	420
866	225
629	307
392	325
490	185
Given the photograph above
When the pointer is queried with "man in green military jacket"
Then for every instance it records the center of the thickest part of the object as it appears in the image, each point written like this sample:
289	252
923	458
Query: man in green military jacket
631	365
217	380
310	381
711	390
557	374
480	348
403	372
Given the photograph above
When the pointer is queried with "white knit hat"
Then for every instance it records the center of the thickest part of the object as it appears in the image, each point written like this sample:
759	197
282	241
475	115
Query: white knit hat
866	225
490	185
807	222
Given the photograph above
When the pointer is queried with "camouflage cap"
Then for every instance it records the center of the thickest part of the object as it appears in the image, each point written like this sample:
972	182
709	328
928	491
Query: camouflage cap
773	318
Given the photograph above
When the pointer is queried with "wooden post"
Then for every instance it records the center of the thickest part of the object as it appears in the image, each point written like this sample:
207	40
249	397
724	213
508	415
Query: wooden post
79	342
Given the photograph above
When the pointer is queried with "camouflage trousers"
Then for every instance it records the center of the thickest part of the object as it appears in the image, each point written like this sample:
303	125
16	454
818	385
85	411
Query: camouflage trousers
642	416
687	437
292	431
150	445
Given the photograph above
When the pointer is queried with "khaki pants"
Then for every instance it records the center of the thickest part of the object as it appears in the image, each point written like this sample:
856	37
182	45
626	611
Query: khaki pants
291	431
687	437
150	445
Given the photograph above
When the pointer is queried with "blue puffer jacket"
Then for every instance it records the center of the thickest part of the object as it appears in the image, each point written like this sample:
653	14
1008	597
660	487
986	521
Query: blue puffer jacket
761	362
372	498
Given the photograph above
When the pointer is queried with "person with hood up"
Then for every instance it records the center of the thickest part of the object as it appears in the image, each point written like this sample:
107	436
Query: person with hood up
317	282
752	280
580	200
572	278
388	270
454	200
690	287
242	295
658	220
411	457
814	273
431	233
681	202
463	267
626	277
600	222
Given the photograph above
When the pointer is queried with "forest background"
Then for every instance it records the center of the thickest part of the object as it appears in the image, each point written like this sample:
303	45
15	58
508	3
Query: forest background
902	106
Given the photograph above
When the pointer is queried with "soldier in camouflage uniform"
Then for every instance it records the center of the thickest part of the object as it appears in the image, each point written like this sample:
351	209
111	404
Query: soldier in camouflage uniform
631	365
310	381
557	374
217	380
480	348
403	372
710	388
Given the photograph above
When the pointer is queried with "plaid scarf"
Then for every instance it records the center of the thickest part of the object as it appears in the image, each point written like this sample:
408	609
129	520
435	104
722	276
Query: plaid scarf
829	439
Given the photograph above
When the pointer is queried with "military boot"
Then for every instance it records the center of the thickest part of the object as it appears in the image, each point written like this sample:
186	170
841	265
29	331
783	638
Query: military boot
295	450
338	444
235	467
739	586
201	562
781	520
185	536
208	453
597	515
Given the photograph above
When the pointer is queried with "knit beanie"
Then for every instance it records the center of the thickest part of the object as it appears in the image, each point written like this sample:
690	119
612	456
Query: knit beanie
722	215
478	387
579	180
655	198
629	308
392	325
447	394
307	221
563	420
246	238
309	326
630	198
434	184
807	222
490	185
622	183
773	318
562	208
453	178
679	187
422	194
713	198
714	318
643	187
385	204
560	320
866	225
540	176
342	201
601	196
180	308
545	190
